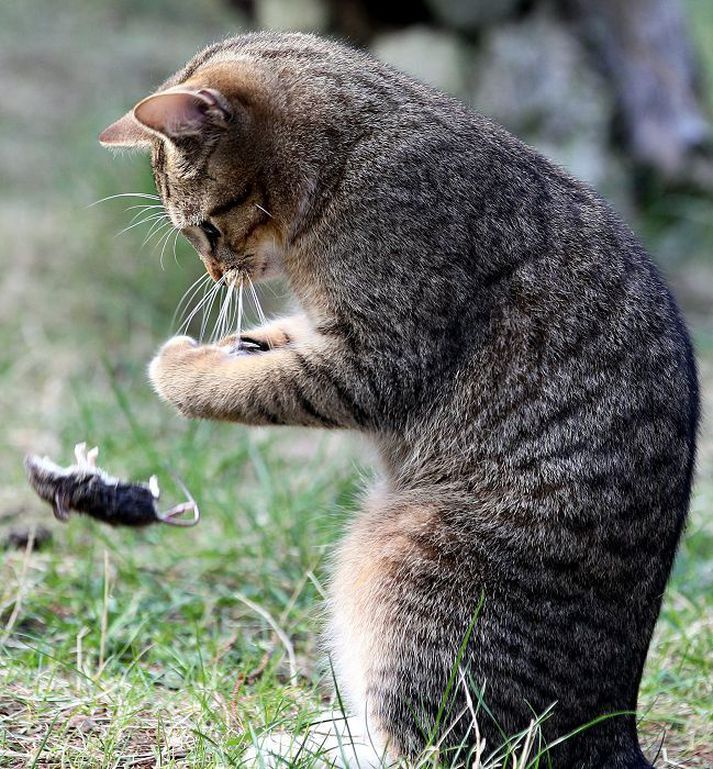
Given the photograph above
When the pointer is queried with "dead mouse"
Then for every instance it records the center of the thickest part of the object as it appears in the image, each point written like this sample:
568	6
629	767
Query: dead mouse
87	489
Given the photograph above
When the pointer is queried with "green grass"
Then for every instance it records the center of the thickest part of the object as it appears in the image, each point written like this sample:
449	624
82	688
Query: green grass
147	633
122	648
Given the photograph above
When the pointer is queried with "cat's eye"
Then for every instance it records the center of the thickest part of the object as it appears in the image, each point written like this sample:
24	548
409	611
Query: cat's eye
211	232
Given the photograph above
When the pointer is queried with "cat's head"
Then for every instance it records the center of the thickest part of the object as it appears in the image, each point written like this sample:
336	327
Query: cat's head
217	133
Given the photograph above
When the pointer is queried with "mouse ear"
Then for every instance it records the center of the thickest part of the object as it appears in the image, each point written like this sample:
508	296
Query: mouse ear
180	111
126	132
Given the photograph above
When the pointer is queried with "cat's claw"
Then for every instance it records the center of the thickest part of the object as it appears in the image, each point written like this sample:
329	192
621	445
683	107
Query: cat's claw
245	346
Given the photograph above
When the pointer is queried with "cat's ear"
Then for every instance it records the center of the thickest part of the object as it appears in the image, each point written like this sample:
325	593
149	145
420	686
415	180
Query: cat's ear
126	132
180	112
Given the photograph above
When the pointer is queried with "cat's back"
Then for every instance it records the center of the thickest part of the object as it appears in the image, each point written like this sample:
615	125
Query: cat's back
487	259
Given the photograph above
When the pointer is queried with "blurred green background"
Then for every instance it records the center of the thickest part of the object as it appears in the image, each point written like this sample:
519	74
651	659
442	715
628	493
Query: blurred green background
120	648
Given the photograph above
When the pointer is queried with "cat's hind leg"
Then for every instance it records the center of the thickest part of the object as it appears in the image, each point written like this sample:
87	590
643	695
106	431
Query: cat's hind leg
388	646
389	636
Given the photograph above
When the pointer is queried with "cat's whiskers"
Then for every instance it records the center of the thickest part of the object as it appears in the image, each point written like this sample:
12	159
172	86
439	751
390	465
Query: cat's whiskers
145	209
220	324
154	214
175	241
205	303
213	293
145	195
238	324
230	316
231	308
188	296
151	217
256	301
237	280
264	210
164	240
156	230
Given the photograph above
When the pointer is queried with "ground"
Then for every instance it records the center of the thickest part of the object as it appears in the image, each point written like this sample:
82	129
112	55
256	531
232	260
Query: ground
157	648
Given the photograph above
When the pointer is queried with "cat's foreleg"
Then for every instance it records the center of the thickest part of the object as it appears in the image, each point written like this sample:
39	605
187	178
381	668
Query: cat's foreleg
311	383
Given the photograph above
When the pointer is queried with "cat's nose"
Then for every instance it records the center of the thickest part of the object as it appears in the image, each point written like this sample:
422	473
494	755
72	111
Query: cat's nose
213	267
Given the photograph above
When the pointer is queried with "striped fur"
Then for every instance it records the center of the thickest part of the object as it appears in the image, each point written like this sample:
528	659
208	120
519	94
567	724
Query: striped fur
512	352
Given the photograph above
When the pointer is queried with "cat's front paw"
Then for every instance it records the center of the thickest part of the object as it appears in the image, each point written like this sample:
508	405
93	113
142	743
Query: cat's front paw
177	373
271	336
242	344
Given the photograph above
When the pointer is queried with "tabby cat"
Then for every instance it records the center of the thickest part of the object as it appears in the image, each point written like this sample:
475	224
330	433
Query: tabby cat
502	338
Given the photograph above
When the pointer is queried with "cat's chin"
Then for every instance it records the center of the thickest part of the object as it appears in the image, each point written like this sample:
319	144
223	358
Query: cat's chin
234	276
268	272
270	263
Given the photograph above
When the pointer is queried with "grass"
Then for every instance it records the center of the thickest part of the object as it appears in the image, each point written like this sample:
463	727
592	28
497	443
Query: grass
146	635
137	649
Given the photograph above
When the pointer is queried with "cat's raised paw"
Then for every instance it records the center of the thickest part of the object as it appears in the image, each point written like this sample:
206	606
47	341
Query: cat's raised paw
177	369
178	343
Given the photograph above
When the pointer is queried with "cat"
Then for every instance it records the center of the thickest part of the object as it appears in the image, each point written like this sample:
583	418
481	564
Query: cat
503	340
